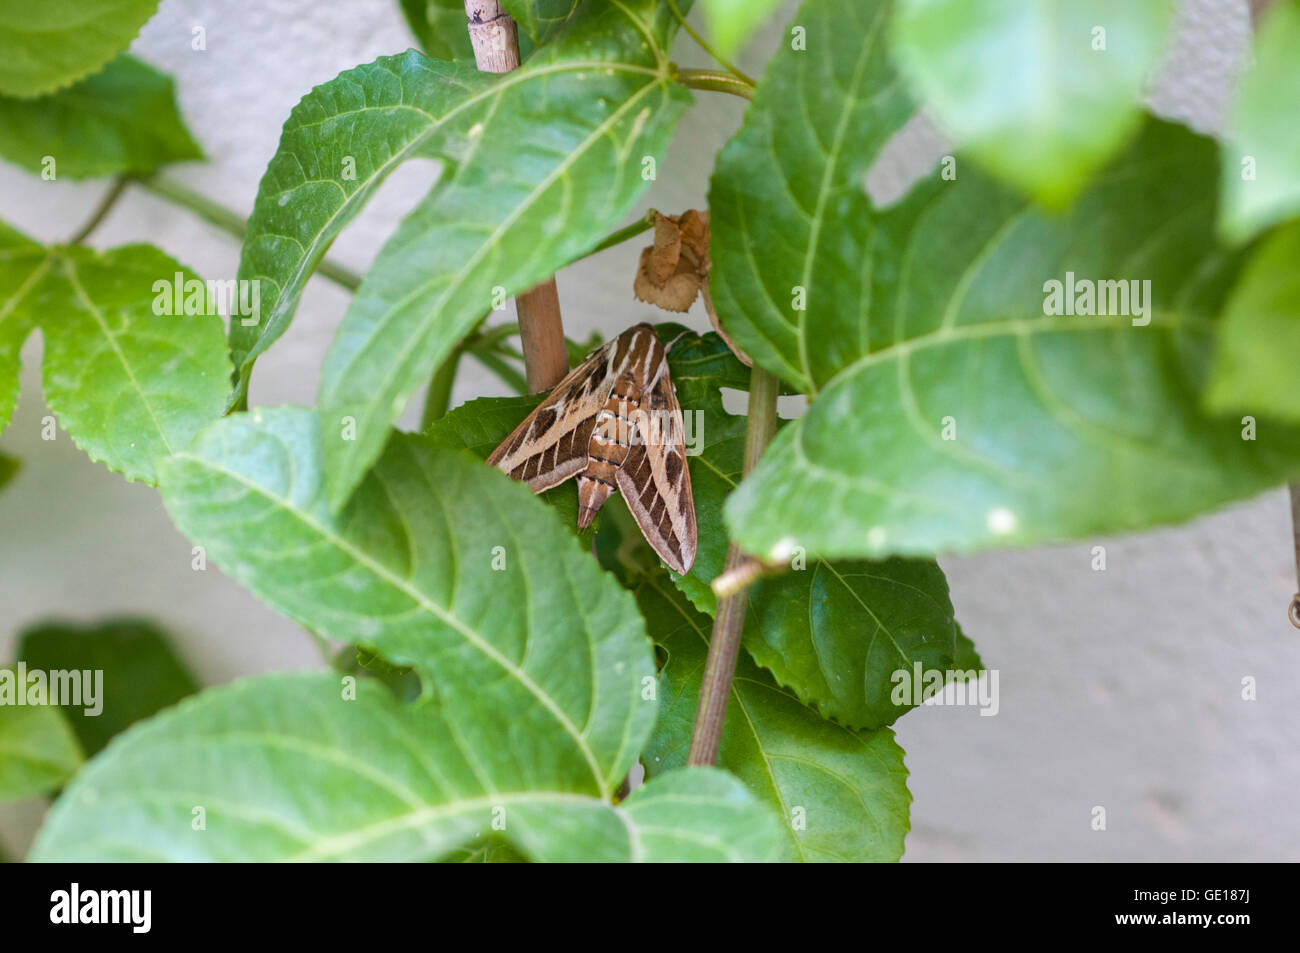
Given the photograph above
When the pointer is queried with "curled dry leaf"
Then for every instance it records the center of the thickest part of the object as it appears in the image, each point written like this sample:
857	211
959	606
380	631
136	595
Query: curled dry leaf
675	269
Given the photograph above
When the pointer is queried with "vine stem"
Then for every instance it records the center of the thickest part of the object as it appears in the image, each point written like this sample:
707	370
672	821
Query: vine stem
438	398
232	224
495	38
101	211
705	46
716	80
642	224
503	369
724	643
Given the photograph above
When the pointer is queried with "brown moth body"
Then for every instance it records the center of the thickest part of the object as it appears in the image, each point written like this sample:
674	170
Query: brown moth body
615	424
611	438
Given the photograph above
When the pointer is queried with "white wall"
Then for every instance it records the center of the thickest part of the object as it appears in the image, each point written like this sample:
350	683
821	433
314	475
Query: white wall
1119	689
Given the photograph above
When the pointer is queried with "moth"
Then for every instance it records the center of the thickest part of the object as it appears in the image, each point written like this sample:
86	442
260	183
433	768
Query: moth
615	424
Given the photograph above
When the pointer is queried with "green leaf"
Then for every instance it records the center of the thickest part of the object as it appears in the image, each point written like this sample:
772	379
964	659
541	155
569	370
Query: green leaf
38	751
8	467
1259	337
141	672
835	632
23	264
700	815
123	119
130	381
528	198
1042	93
1261	156
967	657
785	187
1063	425
732	22
440	27
539	19
127	382
486	851
479	425
286	768
849	788
439	563
50	44
398	107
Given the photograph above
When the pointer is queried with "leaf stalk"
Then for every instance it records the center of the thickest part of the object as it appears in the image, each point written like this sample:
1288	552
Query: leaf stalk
439	395
716	81
232	223
705	46
101	211
641	225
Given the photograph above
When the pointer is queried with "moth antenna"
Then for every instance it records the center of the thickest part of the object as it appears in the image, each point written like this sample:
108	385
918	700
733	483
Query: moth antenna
669	346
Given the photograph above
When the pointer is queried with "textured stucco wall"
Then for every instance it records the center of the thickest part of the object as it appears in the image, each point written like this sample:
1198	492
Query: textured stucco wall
1118	688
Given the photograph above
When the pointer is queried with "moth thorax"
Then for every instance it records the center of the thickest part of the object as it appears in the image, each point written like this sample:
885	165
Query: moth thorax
615	428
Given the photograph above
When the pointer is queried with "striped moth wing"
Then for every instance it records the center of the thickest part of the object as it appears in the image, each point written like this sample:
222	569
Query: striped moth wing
553	441
656	482
614	422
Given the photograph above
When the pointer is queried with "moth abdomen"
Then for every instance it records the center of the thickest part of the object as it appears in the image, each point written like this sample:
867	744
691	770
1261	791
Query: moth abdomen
606	453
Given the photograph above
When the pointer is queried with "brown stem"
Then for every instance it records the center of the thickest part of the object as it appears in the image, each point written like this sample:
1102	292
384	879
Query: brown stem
495	38
724	644
1257	10
541	335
